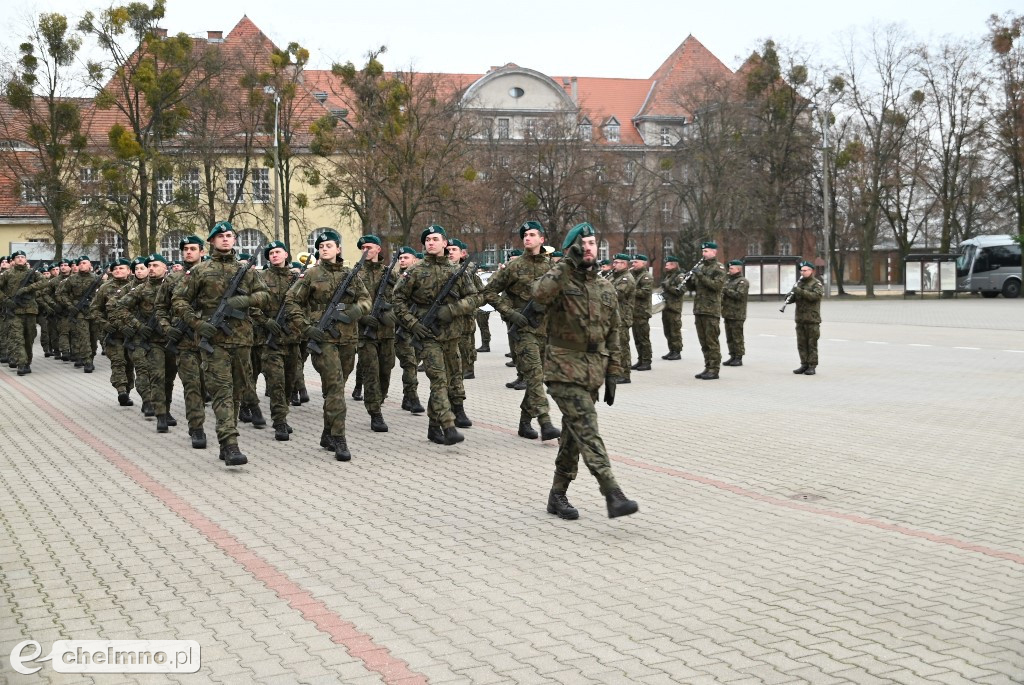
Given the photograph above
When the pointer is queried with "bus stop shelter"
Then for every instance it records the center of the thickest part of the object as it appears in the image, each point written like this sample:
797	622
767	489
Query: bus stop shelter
771	275
929	273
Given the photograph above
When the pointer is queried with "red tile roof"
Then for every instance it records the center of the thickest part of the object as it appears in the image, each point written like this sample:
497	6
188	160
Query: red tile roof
689	65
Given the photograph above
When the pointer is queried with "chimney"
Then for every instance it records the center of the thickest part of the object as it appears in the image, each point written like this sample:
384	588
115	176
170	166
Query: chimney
215	36
160	33
575	91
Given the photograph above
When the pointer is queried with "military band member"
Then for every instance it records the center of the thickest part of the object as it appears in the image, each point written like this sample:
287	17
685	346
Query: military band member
581	354
625	290
376	333
808	293
404	350
672	291
734	312
642	312
707	282
122	371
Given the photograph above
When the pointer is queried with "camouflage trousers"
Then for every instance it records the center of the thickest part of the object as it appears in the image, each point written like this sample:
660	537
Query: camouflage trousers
807	335
467	349
444	369
64	335
162	370
43	322
376	360
625	354
191	375
483	322
51	331
122	371
279	370
228	374
529	355
83	340
300	366
672	323
579	437
734	337
642	338
708	332
21	337
334	366
406	355
142	378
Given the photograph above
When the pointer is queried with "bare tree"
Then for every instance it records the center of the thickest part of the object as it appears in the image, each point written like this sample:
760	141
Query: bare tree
1008	62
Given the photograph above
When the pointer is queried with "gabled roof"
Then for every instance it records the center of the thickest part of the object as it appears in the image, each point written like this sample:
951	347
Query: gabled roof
600	99
689	65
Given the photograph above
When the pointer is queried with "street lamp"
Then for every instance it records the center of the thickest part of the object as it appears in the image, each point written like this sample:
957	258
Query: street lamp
270	90
825	197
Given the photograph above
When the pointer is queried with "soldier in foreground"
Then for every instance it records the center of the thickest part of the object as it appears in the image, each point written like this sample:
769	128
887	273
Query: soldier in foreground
734	312
18	288
404	350
707	280
122	371
808	293
278	348
376	332
582	353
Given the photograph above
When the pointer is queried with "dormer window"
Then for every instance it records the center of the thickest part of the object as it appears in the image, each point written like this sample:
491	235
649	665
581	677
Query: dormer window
611	130
666	136
586	129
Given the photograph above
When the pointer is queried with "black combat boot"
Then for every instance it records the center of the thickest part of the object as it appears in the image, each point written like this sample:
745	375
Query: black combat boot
469	375
303	396
326	441
171	421
810	370
357	393
510	363
148	409
558	504
802	369
7	360
281	431
232	456
89	367
643	366
452	435
65	356
622	380
245	414
198	439
79	363
161	423
729	361
637	365
710	375
486	347
520	384
405	403
377	424
736	361
435	434
24	370
124	399
414	405
701	374
257	417
508	354
295	401
341	452
461	420
549	432
618	505
525	429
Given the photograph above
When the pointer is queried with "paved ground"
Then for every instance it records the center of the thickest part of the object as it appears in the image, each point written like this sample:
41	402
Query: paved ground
860	526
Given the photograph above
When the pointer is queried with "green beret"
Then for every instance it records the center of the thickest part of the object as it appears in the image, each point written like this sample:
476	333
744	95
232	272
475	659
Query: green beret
83	258
709	245
622	255
557	253
604	262
220	227
405	249
431	230
244	256
736	262
671	258
156	257
583	230
121	262
641	258
530	226
419	255
137	261
296	265
325	235
190	240
367	239
18	253
458	243
516	253
273	244
808	264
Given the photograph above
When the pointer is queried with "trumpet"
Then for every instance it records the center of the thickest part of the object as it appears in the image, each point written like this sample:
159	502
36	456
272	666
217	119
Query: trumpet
789	298
305	258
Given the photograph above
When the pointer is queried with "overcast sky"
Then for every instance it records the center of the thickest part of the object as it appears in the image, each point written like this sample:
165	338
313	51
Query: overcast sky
564	38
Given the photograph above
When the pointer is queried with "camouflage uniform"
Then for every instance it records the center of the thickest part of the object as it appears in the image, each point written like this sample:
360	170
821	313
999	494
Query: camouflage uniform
227	368
63	324
81	334
672	309
278	365
376	351
734	312
467	344
189	362
122	371
414	293
808	294
582	350
22	308
305	304
707	282
483	323
642	315
136	310
43	317
625	291
406	355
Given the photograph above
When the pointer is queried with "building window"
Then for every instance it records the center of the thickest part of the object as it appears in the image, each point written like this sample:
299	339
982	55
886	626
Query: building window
90	181
236	178
611	132
190	183
516	92
249	240
164	189
30	192
630	171
754	248
111	246
491	253
666	137
785	247
586	130
666	212
603	250
530	127
668	246
169	246
311	242
631	248
506	250
261	185
503	128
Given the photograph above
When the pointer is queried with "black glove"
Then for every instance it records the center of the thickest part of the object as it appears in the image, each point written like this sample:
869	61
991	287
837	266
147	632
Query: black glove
421	331
22	300
207	330
128	332
574	255
174	335
388	319
238	302
314	333
273	328
609	390
146	333
371	321
517	319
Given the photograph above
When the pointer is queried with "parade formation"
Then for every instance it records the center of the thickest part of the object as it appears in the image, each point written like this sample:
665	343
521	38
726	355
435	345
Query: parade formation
217	322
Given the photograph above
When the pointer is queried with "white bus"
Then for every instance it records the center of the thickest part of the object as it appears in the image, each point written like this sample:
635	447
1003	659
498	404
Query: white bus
989	264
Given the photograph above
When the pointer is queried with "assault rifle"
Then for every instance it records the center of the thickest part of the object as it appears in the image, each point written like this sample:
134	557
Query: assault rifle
333	314
86	298
12	303
532	313
279	318
430	318
224	311
380	304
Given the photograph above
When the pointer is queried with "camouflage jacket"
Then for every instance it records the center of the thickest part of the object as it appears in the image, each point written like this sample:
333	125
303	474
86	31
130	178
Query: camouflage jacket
644	288
517	281
307	300
165	307
583	326
72	291
278	281
371	275
137	308
12	279
465	321
196	298
625	290
103	304
734	298
707	282
672	290
420	285
808	294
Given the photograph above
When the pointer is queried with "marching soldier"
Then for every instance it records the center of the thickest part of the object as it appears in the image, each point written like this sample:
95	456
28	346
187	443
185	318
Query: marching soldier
137	353
707	281
67	268
734	312
403	345
467	342
483	320
642	312
583	336
807	293
625	290
227	366
672	289
53	317
516	282
377	333
18	288
76	295
278	347
305	305
122	372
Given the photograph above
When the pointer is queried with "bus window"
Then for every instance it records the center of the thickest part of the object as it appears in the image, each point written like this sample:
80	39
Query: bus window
963	262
